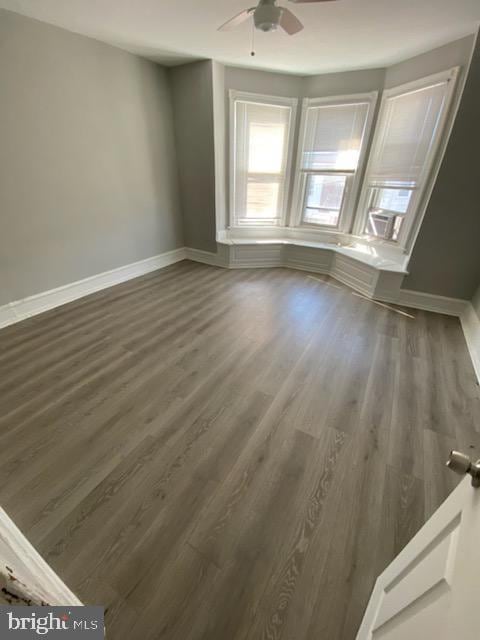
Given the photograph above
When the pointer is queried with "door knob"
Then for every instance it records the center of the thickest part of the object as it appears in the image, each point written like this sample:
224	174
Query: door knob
461	464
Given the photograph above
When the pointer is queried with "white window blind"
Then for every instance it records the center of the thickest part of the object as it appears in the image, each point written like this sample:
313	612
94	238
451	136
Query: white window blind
333	136
407	130
410	127
260	162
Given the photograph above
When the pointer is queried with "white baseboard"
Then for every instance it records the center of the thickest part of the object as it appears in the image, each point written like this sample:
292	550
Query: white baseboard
7	315
430	302
205	257
40	302
471	329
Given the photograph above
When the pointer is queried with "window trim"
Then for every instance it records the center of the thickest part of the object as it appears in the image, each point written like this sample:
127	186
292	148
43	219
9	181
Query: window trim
267	100
421	194
353	182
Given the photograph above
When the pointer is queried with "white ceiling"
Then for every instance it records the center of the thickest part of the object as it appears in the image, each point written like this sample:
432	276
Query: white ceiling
348	34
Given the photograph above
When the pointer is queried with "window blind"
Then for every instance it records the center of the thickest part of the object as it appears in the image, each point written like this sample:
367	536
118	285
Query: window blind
406	133
333	136
260	164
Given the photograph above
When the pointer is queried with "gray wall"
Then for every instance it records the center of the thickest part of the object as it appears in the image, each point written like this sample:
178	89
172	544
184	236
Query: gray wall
192	93
446	257
264	82
88	178
453	54
338	84
476	302
290	86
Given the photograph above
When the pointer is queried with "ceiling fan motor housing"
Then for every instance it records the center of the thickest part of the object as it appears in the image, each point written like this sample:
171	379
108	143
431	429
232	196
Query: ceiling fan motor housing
267	16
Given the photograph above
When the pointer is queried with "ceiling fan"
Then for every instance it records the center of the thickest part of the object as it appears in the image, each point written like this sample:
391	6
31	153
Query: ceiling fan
267	17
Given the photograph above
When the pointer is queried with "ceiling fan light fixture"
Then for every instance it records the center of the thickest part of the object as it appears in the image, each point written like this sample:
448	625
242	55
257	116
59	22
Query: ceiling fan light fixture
267	17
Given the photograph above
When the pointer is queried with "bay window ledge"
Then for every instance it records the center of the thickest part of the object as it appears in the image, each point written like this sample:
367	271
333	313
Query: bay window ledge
384	256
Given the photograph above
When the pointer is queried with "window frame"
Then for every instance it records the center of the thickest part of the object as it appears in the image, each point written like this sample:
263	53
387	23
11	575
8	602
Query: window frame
353	178
267	100
413	217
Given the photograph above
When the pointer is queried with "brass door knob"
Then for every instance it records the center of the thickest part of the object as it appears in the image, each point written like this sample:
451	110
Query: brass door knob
461	464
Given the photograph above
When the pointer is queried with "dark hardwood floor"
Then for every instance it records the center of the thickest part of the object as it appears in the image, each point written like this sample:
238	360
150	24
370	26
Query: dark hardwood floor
229	455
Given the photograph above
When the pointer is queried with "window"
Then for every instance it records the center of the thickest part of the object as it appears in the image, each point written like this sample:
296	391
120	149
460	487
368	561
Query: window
410	127
334	195
261	134
333	137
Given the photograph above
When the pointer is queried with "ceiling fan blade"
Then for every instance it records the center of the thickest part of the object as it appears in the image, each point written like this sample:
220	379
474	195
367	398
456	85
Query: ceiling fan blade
289	22
237	20
305	1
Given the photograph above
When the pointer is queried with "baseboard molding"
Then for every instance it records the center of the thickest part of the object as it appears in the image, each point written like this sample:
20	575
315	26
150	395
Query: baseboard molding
205	257
471	329
40	302
430	302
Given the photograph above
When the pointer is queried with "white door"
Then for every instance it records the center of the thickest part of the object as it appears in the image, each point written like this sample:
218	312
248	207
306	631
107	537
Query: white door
432	589
25	577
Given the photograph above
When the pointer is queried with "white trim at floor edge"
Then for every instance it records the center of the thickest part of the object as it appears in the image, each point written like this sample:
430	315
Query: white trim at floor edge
205	257
431	302
46	300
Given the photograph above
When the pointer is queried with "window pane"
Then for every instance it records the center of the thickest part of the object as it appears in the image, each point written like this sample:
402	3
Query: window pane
393	199
265	152
323	199
388	210
262	199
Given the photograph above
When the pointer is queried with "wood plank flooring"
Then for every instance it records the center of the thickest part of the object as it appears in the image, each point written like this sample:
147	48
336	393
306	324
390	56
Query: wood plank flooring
229	455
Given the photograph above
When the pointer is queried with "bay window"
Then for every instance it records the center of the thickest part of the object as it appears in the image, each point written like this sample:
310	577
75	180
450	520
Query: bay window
334	196
410	127
333	138
261	135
